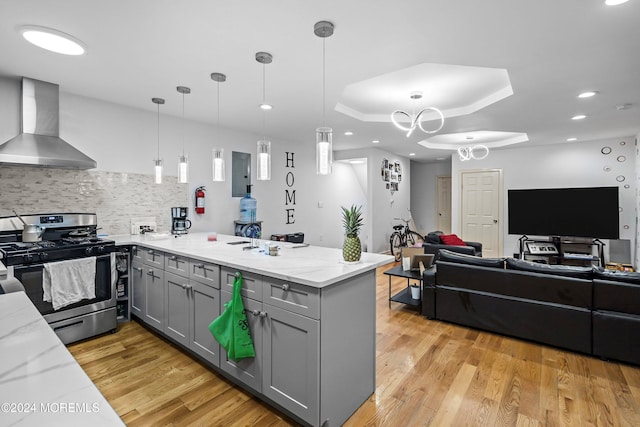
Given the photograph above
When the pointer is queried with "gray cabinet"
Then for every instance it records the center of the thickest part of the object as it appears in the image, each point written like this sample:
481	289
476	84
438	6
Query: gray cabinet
177	310
138	289
154	297
147	283
286	368
190	306
248	370
205	308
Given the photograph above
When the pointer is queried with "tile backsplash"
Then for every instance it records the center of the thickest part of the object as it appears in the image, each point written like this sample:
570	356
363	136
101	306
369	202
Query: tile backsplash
115	197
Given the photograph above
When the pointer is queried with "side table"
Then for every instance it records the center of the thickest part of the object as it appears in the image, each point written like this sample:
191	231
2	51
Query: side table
404	296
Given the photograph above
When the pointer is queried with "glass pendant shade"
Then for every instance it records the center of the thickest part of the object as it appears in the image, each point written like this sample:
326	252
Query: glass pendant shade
324	151
264	160
218	164
183	170
158	171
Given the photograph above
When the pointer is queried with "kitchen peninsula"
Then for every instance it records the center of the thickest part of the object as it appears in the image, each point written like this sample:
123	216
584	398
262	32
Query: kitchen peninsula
311	316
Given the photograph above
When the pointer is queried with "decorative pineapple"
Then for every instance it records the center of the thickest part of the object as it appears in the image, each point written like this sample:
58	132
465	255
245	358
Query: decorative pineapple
352	221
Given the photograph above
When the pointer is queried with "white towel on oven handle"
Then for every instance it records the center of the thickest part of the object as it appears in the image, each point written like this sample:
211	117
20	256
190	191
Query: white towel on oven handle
66	282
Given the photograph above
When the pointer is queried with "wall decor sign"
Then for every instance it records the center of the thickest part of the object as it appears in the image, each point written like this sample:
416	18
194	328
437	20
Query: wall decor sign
391	174
289	192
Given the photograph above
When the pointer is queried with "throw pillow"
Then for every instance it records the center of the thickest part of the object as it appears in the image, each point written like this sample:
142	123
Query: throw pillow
452	239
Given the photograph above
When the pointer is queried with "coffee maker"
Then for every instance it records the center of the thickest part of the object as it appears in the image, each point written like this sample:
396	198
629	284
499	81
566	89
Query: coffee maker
179	222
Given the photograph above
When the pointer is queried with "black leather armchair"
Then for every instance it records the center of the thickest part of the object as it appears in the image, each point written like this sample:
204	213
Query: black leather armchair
432	245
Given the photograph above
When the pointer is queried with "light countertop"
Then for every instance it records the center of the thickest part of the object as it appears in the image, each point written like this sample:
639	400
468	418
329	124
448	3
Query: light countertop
310	265
40	381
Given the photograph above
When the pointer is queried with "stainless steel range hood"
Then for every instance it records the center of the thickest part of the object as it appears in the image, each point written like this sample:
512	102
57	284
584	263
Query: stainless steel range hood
40	144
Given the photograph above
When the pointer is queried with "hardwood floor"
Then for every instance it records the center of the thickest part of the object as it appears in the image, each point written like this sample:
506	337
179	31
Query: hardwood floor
429	373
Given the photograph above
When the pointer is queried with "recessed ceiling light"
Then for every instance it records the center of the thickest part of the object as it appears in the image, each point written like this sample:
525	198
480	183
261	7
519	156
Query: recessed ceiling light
356	162
571	139
266	106
469	137
587	94
348	133
53	40
439	158
579	117
376	141
412	154
614	2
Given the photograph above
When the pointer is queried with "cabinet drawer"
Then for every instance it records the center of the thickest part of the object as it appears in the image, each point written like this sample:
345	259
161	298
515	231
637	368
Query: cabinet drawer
204	272
153	257
251	283
136	254
176	264
294	297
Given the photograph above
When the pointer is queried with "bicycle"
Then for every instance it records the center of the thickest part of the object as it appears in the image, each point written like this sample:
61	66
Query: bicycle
403	236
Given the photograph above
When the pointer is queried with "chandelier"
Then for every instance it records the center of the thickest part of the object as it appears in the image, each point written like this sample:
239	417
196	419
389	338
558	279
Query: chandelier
415	120
475	152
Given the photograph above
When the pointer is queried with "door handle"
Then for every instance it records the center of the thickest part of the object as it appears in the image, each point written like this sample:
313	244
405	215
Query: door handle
495	221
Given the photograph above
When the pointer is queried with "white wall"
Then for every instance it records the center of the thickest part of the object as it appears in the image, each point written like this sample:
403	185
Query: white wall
123	140
423	193
383	206
579	164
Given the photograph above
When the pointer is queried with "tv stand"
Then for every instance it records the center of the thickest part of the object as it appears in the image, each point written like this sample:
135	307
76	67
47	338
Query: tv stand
562	250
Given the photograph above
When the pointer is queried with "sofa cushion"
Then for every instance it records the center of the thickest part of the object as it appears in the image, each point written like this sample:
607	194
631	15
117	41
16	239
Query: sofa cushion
450	256
617	276
434	237
558	270
452	239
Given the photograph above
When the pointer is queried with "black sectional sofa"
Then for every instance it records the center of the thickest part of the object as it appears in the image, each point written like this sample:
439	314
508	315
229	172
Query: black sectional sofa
582	309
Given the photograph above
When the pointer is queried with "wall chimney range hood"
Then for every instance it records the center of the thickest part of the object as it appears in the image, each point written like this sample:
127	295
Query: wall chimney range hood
40	144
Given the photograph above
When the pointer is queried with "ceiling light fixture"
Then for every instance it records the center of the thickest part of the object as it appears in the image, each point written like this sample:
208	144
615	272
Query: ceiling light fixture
475	152
412	154
183	164
415	120
376	141
587	94
579	117
264	145
348	133
53	40
324	135
614	2
158	161
217	162
571	139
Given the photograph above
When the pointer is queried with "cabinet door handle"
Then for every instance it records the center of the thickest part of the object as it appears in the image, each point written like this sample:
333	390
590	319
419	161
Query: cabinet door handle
183	286
173	257
150	251
199	266
285	287
137	269
263	314
150	273
255	312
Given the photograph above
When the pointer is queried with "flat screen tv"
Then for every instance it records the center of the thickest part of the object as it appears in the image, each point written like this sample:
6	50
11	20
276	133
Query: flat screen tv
570	212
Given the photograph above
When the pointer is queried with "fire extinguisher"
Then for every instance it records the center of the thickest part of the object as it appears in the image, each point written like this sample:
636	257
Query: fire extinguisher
200	200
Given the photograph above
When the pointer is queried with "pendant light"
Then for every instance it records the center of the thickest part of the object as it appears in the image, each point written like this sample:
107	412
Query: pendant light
158	160
217	162
264	146
183	163
324	134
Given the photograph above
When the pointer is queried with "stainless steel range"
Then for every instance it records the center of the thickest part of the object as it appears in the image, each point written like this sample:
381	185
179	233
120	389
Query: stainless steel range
65	237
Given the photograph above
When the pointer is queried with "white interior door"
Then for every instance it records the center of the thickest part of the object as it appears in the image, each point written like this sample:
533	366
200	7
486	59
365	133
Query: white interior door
481	205
443	204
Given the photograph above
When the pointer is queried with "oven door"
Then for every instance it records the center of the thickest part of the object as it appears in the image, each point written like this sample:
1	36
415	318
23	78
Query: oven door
31	278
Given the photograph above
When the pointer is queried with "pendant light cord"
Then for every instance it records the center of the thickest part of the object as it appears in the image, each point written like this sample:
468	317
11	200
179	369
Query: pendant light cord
264	99
158	131
182	124
323	83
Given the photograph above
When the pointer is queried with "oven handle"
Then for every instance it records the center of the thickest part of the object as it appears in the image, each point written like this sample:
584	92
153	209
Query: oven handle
41	265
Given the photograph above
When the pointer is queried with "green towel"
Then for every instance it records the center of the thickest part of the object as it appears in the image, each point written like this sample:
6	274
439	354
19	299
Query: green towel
231	328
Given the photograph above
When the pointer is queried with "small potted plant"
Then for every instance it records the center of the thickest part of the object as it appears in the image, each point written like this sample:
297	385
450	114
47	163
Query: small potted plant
352	221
